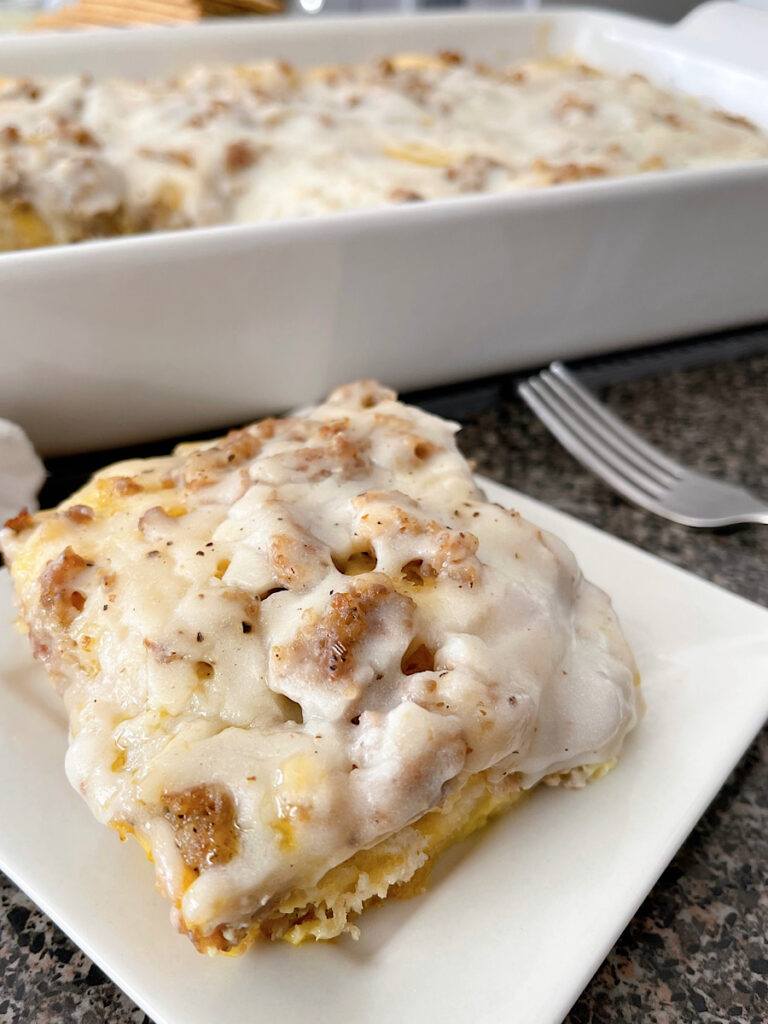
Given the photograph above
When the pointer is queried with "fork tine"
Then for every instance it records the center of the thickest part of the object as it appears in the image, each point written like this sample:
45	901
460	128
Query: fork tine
614	424
582	427
550	416
593	425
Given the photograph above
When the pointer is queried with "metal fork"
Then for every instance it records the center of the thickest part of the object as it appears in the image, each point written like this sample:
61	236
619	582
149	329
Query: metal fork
643	474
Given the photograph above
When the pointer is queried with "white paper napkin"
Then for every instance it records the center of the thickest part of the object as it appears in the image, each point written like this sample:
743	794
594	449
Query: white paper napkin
21	471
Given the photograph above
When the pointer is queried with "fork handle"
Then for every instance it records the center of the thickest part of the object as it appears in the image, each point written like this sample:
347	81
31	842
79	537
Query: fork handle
757	517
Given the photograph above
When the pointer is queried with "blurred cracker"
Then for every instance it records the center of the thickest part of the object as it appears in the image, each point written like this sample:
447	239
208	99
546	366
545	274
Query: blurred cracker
140	11
235	8
107	13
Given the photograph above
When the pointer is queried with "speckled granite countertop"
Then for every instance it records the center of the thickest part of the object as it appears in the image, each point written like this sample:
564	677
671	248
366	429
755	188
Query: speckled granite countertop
697	948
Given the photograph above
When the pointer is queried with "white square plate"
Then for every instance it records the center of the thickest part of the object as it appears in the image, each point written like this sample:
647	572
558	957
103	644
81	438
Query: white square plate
516	920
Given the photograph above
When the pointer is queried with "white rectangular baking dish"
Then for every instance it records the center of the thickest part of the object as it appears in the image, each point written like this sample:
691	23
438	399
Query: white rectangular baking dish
119	341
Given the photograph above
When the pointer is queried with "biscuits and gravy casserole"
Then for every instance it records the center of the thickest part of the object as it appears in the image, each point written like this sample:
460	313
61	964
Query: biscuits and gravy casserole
83	158
301	660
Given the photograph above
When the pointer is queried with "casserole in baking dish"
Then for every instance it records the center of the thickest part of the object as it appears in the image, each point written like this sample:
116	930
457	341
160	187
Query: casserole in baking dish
82	159
208	327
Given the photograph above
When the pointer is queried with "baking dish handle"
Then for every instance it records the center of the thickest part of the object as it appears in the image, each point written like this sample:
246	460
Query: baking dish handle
736	32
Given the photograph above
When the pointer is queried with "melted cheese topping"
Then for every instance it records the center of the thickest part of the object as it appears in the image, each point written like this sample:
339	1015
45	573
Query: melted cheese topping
263	142
284	647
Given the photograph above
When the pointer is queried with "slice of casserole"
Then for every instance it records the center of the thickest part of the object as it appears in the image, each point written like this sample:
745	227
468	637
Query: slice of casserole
301	660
